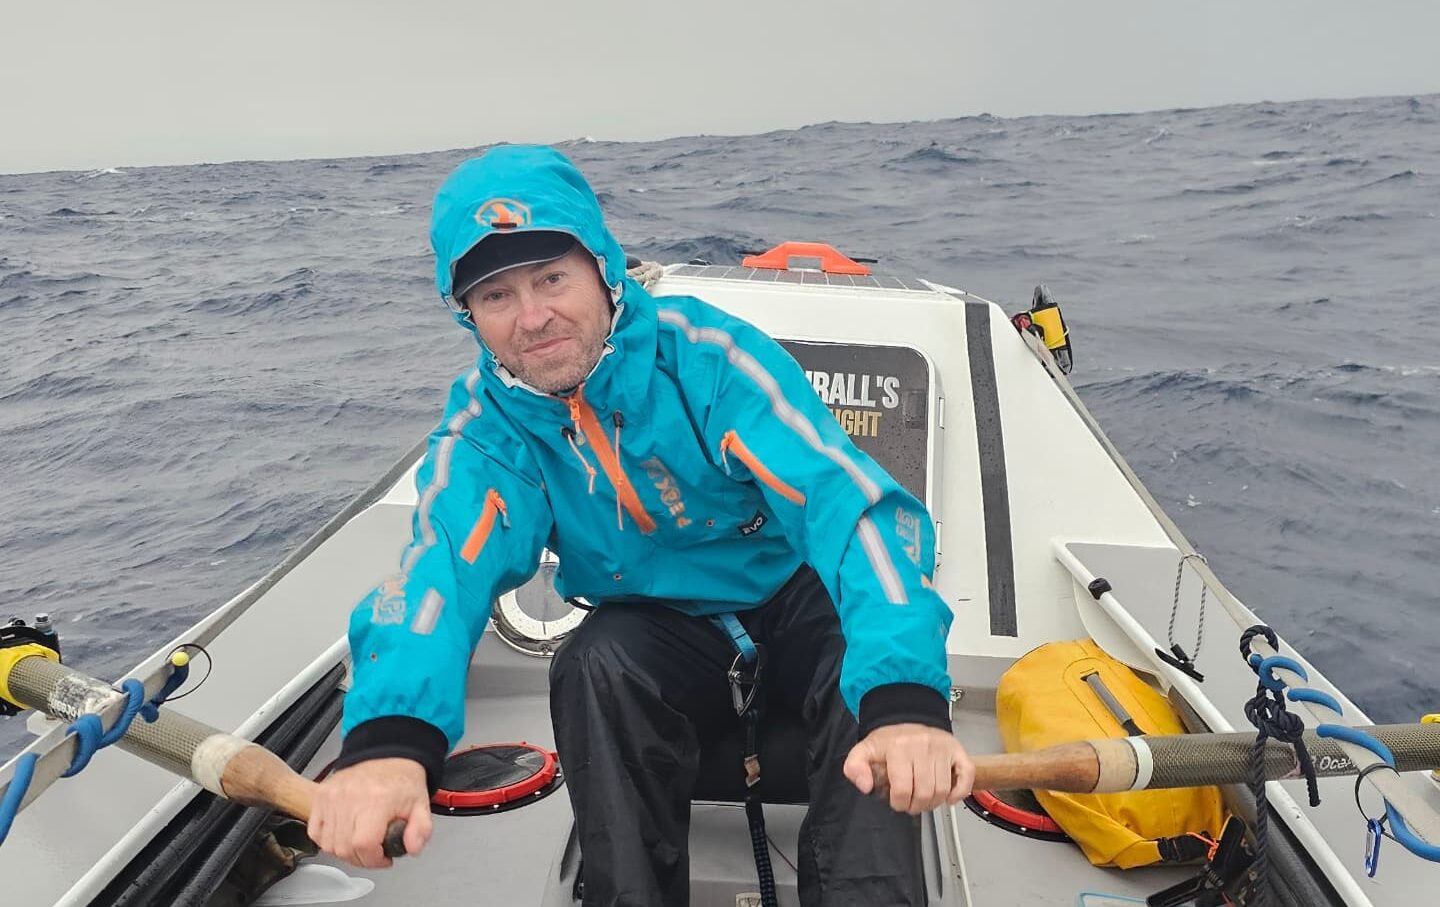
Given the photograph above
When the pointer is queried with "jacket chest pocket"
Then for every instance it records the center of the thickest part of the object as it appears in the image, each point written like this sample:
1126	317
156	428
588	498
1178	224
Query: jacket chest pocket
693	501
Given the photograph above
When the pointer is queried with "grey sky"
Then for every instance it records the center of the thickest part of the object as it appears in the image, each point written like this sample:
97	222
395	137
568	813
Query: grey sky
101	83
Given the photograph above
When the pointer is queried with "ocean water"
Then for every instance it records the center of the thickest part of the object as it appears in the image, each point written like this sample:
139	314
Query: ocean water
199	365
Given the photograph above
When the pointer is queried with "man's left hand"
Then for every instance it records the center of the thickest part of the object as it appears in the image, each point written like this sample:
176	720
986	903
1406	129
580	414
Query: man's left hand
926	766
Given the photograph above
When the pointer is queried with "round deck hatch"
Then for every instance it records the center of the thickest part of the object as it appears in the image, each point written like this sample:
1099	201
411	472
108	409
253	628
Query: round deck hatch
535	618
495	777
1019	813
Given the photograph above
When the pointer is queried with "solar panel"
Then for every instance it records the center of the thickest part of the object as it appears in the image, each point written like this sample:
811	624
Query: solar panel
802	277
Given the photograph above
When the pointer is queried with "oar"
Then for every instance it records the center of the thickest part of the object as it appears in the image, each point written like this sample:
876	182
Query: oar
1184	760
230	766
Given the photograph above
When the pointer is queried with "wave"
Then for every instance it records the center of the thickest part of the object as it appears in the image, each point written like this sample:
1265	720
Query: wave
1303	304
58	386
937	156
393	167
1402	176
75	212
1190	382
716	249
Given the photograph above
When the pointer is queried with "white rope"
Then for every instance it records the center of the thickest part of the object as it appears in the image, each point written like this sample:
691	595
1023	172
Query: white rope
646	273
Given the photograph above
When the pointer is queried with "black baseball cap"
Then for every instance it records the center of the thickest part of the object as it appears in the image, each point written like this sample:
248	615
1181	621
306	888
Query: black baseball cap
503	251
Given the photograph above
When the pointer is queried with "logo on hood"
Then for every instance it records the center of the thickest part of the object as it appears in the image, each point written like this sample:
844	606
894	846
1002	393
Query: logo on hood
503	214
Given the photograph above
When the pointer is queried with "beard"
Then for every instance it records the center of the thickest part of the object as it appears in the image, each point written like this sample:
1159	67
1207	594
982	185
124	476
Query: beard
555	374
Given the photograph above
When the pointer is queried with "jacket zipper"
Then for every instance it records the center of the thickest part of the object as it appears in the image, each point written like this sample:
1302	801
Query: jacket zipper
584	417
480	534
730	441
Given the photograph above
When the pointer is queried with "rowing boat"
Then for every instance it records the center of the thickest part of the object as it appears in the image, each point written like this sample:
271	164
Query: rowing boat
1043	533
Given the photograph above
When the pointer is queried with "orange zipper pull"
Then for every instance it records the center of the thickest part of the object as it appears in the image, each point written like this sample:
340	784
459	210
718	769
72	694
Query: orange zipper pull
757	469
480	533
494	498
725	441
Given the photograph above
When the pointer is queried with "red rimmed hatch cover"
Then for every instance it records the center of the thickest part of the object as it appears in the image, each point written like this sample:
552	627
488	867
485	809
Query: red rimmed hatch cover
494	777
1019	813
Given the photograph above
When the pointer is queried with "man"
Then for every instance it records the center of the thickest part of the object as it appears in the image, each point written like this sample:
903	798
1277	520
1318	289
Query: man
681	466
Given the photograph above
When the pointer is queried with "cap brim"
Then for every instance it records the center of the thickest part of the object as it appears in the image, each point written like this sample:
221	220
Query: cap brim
501	252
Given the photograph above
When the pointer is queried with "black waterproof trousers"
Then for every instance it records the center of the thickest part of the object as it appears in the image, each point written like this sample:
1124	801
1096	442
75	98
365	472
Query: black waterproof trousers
640	688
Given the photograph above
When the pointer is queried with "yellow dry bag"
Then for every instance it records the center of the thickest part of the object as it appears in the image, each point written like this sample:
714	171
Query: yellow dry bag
1067	691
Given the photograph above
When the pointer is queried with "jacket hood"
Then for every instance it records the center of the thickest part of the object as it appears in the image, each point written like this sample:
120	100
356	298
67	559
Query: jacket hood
514	188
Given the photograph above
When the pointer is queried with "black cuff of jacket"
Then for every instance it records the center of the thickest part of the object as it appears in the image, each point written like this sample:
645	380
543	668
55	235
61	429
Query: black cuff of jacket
397	736
903	703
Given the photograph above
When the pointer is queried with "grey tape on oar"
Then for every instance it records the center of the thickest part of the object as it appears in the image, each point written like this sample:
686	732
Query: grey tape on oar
207	765
1119	764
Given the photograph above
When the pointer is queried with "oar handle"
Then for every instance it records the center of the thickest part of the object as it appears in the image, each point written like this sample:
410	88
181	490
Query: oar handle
394	844
299	804
252	774
1073	767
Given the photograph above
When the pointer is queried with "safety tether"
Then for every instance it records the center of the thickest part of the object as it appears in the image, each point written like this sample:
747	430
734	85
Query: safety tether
744	677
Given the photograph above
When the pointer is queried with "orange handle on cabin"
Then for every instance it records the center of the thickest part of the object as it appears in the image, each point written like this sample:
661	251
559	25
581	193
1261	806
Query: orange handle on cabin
832	260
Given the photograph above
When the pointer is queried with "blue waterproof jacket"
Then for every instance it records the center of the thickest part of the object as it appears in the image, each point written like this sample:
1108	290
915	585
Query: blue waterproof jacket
694	429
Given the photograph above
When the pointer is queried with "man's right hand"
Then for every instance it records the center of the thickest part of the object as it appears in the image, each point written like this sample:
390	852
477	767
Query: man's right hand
353	807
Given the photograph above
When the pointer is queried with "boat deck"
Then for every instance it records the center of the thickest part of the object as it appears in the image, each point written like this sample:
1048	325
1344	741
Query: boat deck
515	857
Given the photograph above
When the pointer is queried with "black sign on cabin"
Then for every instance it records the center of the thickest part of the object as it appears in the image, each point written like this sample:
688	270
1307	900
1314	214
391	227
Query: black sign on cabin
880	395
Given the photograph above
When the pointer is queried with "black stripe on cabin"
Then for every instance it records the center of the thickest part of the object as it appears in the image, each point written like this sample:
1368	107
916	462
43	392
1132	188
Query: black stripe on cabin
994	486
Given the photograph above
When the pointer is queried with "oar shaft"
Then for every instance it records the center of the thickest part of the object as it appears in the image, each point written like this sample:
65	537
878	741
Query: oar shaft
1190	760
1187	759
222	763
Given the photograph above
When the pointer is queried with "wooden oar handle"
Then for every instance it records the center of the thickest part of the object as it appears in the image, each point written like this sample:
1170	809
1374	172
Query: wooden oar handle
881	790
254	775
394	844
1073	767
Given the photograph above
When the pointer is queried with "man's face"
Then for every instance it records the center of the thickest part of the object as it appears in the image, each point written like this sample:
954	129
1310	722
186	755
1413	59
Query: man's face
546	323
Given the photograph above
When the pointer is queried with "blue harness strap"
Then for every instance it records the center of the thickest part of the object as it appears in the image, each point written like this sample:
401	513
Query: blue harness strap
744	680
732	627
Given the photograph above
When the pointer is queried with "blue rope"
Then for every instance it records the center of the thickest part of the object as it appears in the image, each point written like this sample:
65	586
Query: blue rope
90	737
10	805
150	711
